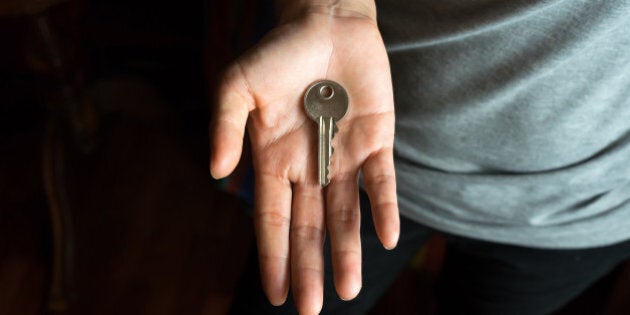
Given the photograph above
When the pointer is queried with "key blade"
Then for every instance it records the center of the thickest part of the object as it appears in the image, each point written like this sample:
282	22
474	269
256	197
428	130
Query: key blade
326	130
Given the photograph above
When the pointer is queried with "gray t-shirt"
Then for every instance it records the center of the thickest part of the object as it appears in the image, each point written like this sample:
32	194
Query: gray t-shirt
513	118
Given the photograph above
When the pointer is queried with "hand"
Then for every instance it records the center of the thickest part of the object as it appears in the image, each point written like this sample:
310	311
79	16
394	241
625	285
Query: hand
264	91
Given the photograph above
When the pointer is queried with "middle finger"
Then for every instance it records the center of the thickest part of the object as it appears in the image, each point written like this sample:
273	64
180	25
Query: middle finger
307	241
343	220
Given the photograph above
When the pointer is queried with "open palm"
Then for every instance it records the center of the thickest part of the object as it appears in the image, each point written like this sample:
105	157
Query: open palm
264	91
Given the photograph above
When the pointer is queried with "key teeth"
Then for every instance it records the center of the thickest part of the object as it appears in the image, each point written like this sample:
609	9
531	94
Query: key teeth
332	150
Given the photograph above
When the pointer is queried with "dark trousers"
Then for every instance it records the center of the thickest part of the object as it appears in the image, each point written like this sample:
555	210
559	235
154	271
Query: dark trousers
477	277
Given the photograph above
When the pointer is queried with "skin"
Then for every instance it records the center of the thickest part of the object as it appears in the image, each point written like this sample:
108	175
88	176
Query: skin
262	91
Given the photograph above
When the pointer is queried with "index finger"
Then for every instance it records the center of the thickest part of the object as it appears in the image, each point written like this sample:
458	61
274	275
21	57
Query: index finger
379	178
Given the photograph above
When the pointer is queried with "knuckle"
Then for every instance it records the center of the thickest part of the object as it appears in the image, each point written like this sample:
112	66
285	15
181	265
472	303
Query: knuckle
379	179
273	219
347	255
309	269
269	258
345	216
388	204
307	233
223	122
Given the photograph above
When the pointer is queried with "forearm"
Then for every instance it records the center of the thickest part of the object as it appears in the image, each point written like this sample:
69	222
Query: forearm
290	9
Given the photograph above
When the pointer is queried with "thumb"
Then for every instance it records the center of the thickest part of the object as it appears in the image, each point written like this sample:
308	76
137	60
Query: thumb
228	125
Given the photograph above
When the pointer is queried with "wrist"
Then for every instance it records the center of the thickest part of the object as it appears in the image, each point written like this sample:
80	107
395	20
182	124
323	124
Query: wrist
288	10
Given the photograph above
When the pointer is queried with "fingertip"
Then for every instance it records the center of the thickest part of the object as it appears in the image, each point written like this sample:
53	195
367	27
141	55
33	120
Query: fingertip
317	309
308	301
347	276
226	152
313	308
390	242
216	174
387	224
390	232
276	288
351	289
277	301
219	168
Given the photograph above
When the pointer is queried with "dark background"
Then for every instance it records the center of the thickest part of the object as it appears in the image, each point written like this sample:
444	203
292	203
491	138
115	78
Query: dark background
104	108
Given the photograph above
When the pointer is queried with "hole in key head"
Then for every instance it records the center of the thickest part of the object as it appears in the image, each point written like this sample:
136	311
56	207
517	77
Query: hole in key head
326	92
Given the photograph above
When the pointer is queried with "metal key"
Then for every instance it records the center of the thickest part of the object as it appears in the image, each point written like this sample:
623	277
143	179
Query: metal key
325	102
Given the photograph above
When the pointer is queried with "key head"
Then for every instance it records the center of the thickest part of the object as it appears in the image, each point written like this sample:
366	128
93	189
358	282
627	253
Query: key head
327	99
